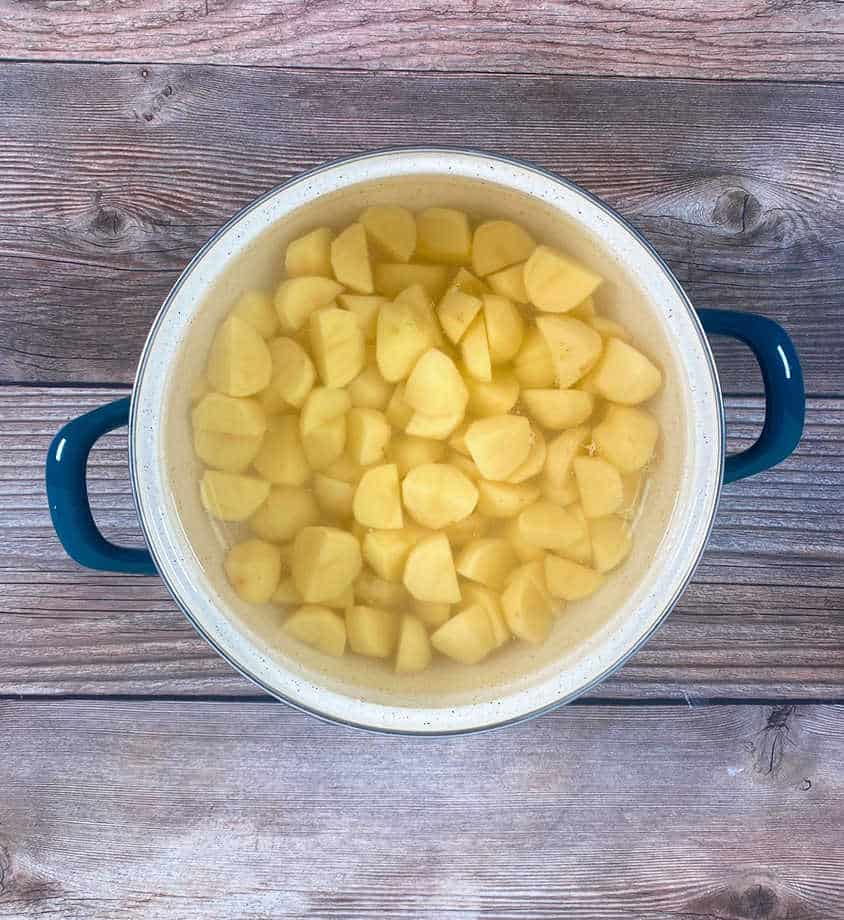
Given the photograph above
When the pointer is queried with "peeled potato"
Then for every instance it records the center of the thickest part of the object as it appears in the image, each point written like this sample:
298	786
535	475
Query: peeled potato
487	561
569	581
325	562
470	528
364	307
253	569
443	235
377	502
435	386
465	464
281	458
369	390
297	298
386	552
600	486
437	495
285	512
438	427
322	424
510	282
293	373
474	350
499	444
367	435
548	526
228	431
465	281
561	492
432	615
392	230
481	596
429	573
375	591
467	637
318	627
398	412
581	550
231	496
558	409
345	468
371	631
505	499
337	346
456	311
574	347
496	397
286	593
527	603
525	552
239	362
232	453
560	456
555	283
334	496
534	463
505	327
408	451
350	259
257	309
632	483
624	375
626	437
310	254
584	310
498	244
413	652
608	328
611	542
391	278
401	340
533	366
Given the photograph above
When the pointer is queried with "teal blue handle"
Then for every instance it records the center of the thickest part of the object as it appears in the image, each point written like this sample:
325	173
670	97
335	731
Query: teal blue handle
67	494
785	397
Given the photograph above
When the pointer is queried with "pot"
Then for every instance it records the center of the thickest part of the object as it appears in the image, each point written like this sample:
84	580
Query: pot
594	637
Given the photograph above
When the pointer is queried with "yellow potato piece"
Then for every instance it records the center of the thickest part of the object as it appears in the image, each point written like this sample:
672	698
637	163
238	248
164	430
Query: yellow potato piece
548	526
534	463
286	593
555	283
371	631
624	375
505	327
386	552
626	437
408	451
253	569
429	573
525	552
499	444
345	468
481	596
229	415
232	453
497	397
325	444
337	346
323	405
470	528
456	311
413	652
510	282
600	486
437	495
443	235
435	386
377	501
293	373
432	615
350	259
423	305
199	389
533	366
391	278
467	637
325	562
392	230
499	244
402	338
369	390
285	512
558	409
505	499
319	628
310	254
231	496
281	458
239	362
559	458
487	561
584	310
367	435
334	496
437	427
378	592
365	309
581	550
474	351
608	328
297	298
574	347
611	542
465	281
527	604
632	483
257	309
398	412
569	581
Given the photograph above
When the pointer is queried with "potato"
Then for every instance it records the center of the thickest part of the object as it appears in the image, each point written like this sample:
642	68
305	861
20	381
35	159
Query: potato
481	596
467	637
239	362
199	389
386	552
562	492
600	486
392	230
257	309
457	442
310	254
465	464
624	375
487	561
548	526
533	366
611	542
497	397
350	259
456	311
286	593
435	386
558	409
398	412
346	469
293	373
581	550
443	235
391	278
626	437
322	424
319	628
437	495
281	458
505	499
334	496
377	502
231	496
534	463
371	631
499	244
417	297
609	329
408	451
569	581
323	405
574	347
432	615
228	452
285	512
413	652
470	528
437	427
474	350
297	298
525	552
369	390
555	283
429	573
632	484
499	444
253	569
325	562
465	281
401	340
337	346
367	435
364	308
375	591
527	604
560	457
505	327
584	310
510	283
227	431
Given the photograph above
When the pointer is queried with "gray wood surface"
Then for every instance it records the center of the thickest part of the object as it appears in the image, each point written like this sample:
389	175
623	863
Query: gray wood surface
690	38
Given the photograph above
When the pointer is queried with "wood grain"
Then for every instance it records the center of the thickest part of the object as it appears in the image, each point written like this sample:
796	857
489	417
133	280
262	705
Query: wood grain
763	618
204	810
737	184
691	38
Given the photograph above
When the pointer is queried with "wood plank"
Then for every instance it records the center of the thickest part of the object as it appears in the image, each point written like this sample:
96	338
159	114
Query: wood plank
764	616
204	810
737	185
741	39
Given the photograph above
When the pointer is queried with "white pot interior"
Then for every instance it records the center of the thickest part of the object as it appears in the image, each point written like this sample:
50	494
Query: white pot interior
589	637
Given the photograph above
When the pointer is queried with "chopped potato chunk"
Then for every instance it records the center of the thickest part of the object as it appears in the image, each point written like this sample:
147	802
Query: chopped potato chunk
555	283
392	230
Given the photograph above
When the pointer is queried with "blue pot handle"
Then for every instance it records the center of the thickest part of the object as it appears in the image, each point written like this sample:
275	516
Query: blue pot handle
67	494
785	398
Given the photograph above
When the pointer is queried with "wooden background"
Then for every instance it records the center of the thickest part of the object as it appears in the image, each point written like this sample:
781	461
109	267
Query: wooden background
139	775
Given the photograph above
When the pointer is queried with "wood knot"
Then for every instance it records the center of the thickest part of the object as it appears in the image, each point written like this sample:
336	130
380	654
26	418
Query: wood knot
757	903
108	221
737	210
